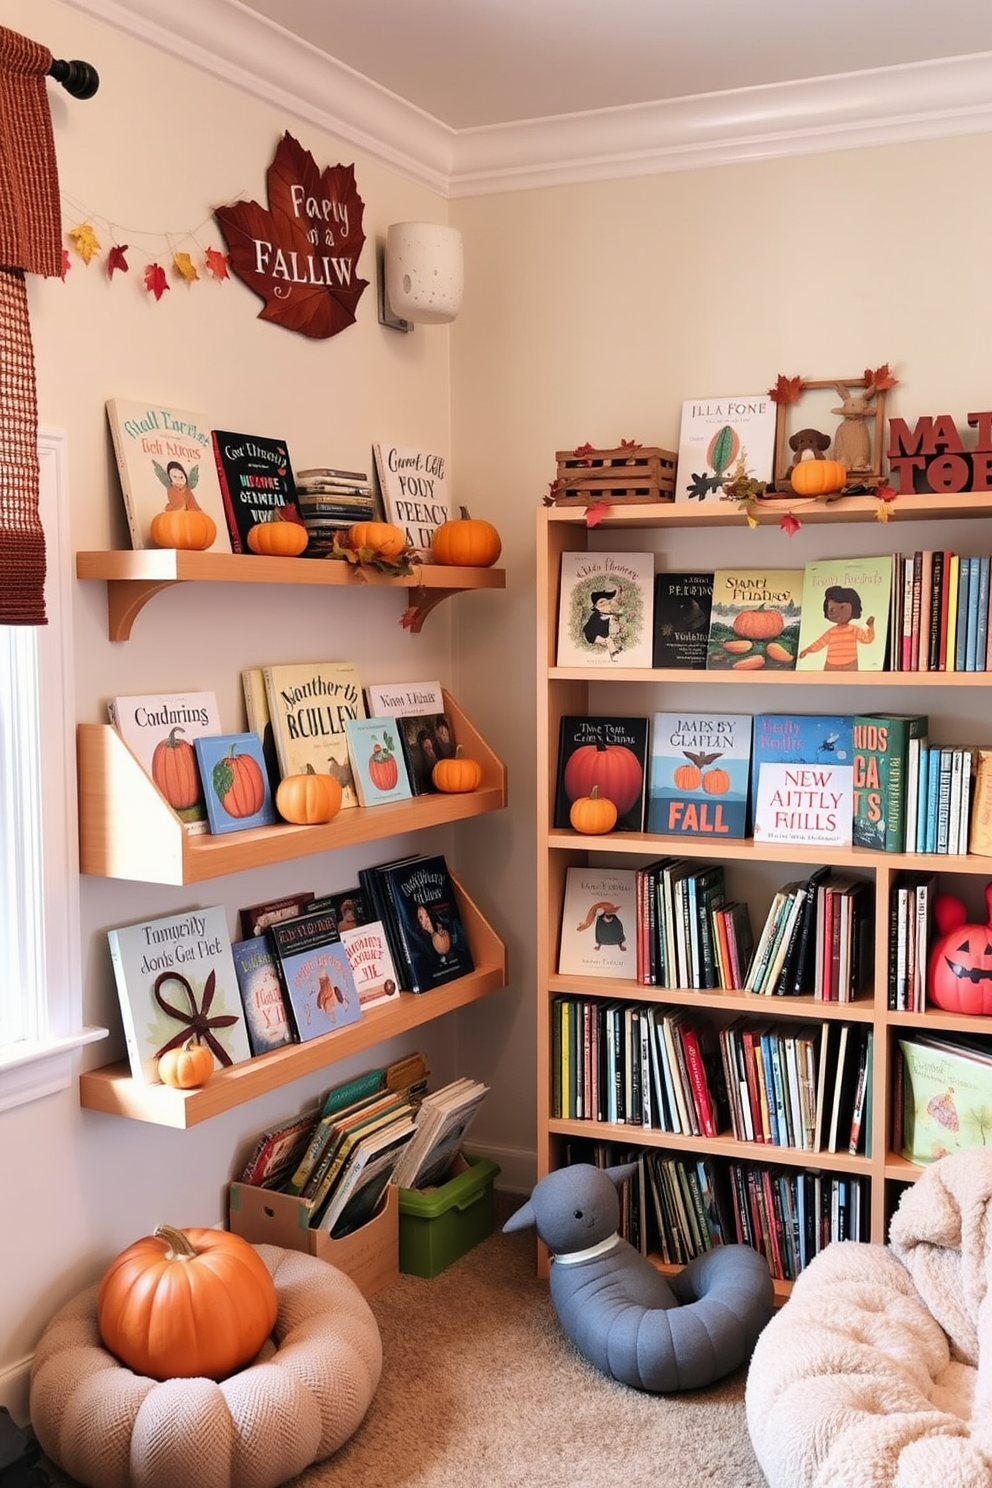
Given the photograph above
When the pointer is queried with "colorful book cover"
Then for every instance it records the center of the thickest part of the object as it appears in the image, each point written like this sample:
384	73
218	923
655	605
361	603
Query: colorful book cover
415	493
807	804
599	923
605	609
371	962
175	978
309	704
261	995
256	483
278	1150
429	927
609	754
165	460
698	775
316	975
845	615
159	729
682	619
800	738
235	782
350	907
754	620
947	1098
377	763
881	755
403	699
424	739
721	439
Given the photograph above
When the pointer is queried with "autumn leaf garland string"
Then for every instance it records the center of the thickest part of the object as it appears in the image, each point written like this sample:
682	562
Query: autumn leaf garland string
183	252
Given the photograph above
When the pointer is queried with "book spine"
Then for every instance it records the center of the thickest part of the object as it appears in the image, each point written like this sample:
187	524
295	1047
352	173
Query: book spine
225	495
698	1085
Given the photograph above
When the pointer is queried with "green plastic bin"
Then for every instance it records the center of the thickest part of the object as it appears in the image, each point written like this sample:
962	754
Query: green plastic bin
444	1223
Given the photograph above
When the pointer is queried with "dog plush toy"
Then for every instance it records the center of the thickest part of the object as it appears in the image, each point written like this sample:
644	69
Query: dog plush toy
620	1312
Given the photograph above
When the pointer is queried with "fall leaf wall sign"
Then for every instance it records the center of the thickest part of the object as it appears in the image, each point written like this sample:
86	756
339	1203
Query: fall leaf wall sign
300	256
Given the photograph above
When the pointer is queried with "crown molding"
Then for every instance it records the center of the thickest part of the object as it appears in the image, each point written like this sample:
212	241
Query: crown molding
893	105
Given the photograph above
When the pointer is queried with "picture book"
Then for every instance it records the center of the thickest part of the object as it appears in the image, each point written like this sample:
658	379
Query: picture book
261	994
608	753
403	699
365	1174
443	1118
309	704
698	775
372	882
947	1097
810	804
599	923
682	619
175	976
159	729
316	975
754	620
429	926
881	777
235	782
722	438
414	490
845	615
371	962
256	483
335	1137
165	460
799	738
257	720
377	763
256	918
424	739
350	907
605	609
277	1150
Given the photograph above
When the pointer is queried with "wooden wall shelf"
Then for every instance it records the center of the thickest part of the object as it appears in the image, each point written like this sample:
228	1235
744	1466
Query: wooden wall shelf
911	508
133	578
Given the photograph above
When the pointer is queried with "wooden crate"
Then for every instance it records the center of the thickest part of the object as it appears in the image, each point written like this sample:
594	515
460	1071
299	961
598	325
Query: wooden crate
614	476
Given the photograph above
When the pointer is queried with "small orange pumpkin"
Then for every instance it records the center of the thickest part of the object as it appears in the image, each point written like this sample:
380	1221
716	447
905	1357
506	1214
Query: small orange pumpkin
309	798
278	539
186	528
186	1068
466	542
458	774
593	815
818	477
381	537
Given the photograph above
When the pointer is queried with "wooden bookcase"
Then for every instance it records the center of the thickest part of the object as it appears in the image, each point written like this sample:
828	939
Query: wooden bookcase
562	691
128	831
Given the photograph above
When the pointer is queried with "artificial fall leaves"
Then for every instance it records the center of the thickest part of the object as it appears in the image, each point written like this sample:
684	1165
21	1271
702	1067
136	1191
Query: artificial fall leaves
155	278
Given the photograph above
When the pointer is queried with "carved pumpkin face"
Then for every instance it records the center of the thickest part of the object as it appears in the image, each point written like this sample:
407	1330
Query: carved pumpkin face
960	972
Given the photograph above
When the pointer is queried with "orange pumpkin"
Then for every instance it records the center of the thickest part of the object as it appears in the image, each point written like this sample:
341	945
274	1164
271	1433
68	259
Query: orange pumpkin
456	775
191	529
818	477
174	771
238	783
309	798
186	1068
380	537
466	542
716	782
687	777
278	539
593	815
184	1304
612	769
759	624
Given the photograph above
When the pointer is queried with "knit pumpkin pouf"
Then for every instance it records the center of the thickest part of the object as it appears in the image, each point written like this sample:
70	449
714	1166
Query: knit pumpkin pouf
300	1400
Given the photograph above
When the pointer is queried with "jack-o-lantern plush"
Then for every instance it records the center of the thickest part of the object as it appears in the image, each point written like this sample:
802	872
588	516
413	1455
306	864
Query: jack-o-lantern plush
960	972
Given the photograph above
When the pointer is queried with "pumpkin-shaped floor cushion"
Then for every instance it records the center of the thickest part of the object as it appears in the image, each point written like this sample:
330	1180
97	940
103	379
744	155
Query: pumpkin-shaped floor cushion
300	1400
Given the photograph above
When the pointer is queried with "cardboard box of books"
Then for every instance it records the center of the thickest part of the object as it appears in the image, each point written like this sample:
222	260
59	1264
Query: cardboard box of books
369	1255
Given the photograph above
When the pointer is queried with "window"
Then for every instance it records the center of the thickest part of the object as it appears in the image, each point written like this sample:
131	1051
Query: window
41	1009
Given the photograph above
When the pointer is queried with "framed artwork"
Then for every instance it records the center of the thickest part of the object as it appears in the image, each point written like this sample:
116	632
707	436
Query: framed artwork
836	418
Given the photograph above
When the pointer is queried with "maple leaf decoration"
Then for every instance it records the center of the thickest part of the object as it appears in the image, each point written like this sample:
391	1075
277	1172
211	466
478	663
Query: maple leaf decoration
84	241
882	379
217	263
582	452
595	513
789	524
786	389
185	267
155	280
630	444
309	284
116	260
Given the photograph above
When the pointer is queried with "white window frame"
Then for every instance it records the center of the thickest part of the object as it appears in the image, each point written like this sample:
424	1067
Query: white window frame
41	1062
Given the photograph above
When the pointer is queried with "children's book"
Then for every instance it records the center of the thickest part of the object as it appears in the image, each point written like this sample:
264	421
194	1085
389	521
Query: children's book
414	490
316	974
277	1150
424	739
261	995
256	483
698	775
605	609
309	704
430	934
804	803
754	620
721	439
350	907
881	777
235	782
682	619
165	460
609	754
404	699
947	1097
800	738
845	615
599	923
176	979
371	962
159	729
255	919
377	762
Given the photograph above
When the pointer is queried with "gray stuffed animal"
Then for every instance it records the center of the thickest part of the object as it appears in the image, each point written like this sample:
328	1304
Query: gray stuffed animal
620	1312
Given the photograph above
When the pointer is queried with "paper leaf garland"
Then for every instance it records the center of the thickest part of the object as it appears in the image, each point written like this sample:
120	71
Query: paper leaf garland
84	241
155	280
117	260
217	263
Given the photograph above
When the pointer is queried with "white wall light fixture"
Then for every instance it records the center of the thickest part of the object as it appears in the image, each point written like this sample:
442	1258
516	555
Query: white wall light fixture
421	275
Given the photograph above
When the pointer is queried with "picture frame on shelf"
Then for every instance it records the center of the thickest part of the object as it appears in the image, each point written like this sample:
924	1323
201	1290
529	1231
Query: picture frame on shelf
844	411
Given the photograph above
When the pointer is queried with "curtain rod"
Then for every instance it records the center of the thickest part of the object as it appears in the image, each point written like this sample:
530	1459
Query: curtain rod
77	78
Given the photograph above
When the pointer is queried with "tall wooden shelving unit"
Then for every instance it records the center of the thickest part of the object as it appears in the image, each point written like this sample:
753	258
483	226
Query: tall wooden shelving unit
564	691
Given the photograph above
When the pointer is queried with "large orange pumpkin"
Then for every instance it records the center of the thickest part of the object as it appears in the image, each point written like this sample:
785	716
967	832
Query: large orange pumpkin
466	542
309	798
613	768
185	528
818	477
174	771
186	1303
238	783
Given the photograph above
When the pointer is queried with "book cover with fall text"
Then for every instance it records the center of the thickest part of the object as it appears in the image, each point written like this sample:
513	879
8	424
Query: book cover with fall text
256	483
699	774
165	460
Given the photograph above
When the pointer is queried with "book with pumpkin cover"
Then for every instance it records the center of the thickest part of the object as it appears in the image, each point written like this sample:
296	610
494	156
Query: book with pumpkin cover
235	783
415	494
845	615
720	439
256	483
165	460
425	731
608	754
754	620
309	704
429	930
698	775
261	995
159	729
316	975
377	765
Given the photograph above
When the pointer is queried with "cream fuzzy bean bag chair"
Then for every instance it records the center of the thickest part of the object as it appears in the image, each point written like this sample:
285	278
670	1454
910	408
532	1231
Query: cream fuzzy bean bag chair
877	1373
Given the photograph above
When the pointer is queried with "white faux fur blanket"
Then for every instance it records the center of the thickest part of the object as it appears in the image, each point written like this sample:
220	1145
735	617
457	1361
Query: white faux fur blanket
877	1373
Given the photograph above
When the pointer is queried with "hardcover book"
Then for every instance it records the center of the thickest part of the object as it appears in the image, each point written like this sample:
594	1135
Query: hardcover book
608	753
377	763
159	729
256	483
881	760
316	975
698	775
424	739
371	962
682	604
309	704
235	782
256	918
404	699
261	995
278	1150
800	738
165	460
605	609
599	923
845	615
414	491
805	804
175	977
754	620
429	927
350	907
947	1097
721	439
257	720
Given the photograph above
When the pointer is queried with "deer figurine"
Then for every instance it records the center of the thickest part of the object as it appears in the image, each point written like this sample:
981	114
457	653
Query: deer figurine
852	442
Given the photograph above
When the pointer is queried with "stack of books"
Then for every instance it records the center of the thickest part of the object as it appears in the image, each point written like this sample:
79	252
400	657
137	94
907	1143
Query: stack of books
415	900
330	501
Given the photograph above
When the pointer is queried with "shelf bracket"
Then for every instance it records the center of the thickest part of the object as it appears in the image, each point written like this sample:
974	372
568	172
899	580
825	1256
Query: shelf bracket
126	598
422	601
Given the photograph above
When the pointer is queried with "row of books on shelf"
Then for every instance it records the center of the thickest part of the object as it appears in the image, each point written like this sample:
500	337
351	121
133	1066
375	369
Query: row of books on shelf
302	966
383	1127
900	612
870	780
787	1085
380	743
